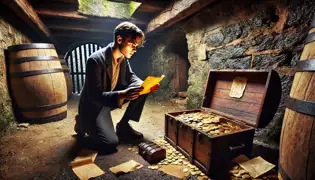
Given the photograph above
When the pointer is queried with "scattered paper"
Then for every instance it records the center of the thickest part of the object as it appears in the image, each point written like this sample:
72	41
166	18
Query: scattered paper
83	165
174	170
256	166
126	167
238	87
150	82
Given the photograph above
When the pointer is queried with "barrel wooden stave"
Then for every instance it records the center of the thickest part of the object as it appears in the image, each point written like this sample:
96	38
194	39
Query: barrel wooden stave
67	77
297	143
38	90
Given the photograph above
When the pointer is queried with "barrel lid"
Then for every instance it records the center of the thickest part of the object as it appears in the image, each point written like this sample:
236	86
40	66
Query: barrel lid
30	46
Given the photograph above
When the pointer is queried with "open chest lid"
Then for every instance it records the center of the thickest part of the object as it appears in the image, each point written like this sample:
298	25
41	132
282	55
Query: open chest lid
249	96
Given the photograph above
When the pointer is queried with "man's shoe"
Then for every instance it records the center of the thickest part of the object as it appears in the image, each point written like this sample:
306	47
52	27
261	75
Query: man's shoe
126	132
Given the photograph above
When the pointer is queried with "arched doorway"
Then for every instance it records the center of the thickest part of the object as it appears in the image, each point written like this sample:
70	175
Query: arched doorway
76	59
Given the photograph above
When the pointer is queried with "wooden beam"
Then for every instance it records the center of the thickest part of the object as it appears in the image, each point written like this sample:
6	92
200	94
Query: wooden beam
25	11
86	29
56	6
74	15
63	1
150	7
67	1
82	34
144	16
66	42
55	23
176	12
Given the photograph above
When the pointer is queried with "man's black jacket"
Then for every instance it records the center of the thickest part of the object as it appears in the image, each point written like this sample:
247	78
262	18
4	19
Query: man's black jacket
96	92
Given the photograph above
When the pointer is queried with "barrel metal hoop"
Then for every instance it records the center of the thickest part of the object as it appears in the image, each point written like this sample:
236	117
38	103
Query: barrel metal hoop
300	106
43	108
34	58
310	38
306	66
34	73
283	174
30	46
66	70
47	119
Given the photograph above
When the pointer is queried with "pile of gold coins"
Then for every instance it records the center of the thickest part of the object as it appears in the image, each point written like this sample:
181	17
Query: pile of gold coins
209	123
237	173
174	157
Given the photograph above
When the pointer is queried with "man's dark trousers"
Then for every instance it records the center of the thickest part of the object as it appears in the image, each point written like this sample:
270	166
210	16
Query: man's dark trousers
102	136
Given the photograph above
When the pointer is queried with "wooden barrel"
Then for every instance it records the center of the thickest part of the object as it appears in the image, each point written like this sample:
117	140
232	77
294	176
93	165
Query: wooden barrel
37	83
297	143
67	76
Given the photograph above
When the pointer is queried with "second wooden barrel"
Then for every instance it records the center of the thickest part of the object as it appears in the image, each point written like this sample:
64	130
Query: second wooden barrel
67	76
297	142
37	82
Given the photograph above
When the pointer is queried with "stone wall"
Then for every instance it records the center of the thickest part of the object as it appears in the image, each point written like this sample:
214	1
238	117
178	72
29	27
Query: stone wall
8	36
159	57
247	35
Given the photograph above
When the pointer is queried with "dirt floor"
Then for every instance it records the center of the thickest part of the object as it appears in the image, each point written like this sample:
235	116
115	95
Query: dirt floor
37	152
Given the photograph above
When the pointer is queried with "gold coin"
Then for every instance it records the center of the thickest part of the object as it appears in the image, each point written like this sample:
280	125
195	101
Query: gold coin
235	171
246	176
185	170
153	167
242	171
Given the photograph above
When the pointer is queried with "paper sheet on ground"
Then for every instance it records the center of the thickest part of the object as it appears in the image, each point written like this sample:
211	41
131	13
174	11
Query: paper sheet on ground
256	166
83	165
126	167
174	170
149	82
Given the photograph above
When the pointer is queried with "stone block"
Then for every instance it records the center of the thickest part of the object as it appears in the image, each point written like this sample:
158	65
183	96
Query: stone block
238	63
227	52
214	39
231	33
270	61
300	11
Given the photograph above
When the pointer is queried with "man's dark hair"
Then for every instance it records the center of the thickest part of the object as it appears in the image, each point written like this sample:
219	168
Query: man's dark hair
128	29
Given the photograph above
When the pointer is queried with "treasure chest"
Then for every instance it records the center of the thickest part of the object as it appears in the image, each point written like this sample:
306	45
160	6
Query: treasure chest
235	103
152	152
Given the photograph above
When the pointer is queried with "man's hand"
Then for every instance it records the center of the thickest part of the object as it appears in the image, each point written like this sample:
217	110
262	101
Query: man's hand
131	93
155	88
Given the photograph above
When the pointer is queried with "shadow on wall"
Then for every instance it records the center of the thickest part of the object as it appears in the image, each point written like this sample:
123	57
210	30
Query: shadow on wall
166	53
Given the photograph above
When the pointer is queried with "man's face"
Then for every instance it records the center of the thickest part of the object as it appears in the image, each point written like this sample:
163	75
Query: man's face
129	46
